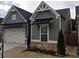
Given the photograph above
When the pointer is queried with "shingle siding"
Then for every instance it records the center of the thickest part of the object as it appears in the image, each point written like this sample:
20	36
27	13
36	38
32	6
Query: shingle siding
44	15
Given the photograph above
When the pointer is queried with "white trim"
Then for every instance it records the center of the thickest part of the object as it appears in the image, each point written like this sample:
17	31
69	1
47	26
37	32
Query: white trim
5	16
59	22
31	32
40	33
39	40
20	15
54	42
47	31
13	17
35	40
47	7
8	13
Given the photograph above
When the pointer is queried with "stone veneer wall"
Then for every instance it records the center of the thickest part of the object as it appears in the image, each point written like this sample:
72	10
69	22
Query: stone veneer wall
50	46
46	46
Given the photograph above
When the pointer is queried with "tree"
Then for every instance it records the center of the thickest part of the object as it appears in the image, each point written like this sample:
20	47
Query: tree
61	44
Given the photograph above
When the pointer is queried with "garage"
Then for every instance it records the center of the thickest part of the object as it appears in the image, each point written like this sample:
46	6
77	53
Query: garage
14	35
15	25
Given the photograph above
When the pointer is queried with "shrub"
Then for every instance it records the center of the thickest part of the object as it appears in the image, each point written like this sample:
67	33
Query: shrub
61	44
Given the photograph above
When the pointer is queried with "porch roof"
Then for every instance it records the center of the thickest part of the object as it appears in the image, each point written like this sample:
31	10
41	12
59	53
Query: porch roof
42	21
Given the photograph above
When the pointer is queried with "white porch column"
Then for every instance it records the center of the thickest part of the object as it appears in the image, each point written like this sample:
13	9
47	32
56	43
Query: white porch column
59	17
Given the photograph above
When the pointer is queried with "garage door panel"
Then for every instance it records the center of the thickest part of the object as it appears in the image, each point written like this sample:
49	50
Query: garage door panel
16	35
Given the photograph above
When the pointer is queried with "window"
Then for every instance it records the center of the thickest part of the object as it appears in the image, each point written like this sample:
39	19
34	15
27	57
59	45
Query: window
13	17
44	33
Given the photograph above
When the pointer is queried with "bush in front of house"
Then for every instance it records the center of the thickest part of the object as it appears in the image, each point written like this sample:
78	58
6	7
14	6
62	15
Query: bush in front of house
61	44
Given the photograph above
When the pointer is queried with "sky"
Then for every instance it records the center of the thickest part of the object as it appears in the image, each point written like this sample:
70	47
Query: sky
32	5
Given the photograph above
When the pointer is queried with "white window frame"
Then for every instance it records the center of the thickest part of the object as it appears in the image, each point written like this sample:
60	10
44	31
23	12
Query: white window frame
44	33
39	40
13	17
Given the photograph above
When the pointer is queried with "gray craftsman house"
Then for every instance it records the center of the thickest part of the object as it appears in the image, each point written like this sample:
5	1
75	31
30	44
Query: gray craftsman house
46	24
15	25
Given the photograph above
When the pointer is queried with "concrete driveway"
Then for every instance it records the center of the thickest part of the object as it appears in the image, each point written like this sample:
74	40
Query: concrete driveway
8	46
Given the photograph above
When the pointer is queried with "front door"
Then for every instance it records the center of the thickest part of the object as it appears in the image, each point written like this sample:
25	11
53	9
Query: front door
44	33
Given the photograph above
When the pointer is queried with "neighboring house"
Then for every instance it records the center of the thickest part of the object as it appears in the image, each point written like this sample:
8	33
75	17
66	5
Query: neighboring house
77	22
1	29
15	25
73	24
46	24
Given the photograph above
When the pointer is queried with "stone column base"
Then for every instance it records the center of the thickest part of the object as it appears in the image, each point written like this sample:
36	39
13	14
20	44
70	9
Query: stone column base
45	46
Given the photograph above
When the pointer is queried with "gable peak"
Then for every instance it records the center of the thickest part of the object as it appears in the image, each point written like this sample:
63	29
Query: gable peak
43	6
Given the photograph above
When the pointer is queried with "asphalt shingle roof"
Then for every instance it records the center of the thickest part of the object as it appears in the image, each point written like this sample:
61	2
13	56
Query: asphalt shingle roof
24	13
77	10
65	13
1	19
42	21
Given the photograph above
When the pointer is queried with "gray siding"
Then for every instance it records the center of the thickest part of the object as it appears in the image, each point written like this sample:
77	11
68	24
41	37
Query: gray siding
26	33
45	14
54	30
9	18
35	32
54	27
66	26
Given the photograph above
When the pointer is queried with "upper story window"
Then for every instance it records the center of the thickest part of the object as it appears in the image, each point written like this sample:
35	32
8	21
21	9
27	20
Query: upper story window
13	17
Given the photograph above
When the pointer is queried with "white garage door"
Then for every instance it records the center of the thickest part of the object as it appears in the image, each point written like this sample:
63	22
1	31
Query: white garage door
15	35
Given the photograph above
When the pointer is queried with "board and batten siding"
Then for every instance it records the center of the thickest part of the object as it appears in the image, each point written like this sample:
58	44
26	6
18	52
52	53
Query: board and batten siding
9	17
53	28
35	32
66	27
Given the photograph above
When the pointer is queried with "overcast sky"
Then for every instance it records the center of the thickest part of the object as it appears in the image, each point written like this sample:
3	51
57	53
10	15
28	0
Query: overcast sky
32	5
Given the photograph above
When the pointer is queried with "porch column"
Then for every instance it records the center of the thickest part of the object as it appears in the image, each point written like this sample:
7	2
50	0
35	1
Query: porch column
29	34
78	34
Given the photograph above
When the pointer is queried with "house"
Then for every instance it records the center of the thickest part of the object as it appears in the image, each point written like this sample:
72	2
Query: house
77	23
46	24
15	25
1	29
77	19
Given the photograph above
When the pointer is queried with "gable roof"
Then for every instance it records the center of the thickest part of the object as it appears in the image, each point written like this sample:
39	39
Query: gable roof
64	13
24	14
1	19
77	10
43	7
